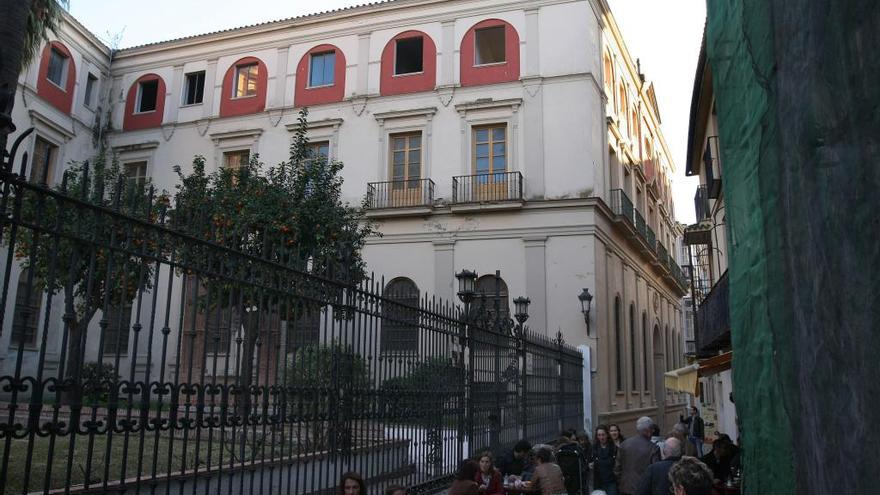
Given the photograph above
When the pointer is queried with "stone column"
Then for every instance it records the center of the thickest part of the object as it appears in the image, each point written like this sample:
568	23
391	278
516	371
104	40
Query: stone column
536	281
444	270
211	88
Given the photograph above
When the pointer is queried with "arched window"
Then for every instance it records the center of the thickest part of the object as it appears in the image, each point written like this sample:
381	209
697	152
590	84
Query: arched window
26	318
622	102
618	346
409	64
244	88
400	317
57	76
145	104
489	54
495	289
609	77
645	352
633	359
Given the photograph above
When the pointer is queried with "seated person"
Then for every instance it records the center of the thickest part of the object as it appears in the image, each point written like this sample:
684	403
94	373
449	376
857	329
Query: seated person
548	479
690	477
517	461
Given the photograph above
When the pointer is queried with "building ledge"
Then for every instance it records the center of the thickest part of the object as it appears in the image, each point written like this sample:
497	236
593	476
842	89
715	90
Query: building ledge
474	207
410	211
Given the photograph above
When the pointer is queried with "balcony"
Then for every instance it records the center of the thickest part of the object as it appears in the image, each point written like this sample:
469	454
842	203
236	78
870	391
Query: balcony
712	164
641	234
713	319
497	190
400	197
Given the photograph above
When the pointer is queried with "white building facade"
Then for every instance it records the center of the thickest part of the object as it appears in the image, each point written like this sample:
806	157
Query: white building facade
507	135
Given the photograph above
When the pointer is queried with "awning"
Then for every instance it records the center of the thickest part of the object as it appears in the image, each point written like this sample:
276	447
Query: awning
685	379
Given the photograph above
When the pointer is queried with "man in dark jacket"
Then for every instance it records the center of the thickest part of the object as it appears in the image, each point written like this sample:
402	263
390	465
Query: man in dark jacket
655	481
516	462
634	456
696	429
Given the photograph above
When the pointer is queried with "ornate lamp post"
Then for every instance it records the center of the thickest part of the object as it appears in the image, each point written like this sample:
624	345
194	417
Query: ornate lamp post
521	306
466	282
586	300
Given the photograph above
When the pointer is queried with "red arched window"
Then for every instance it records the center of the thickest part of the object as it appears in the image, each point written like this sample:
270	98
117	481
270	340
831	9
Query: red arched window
244	88
409	64
320	77
57	76
489	54
145	103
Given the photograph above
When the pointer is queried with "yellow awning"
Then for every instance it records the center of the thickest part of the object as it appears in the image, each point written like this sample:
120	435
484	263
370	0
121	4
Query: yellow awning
683	379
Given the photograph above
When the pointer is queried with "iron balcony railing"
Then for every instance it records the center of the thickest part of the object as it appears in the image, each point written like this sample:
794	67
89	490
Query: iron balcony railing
663	255
621	205
713	319
487	188
400	193
650	238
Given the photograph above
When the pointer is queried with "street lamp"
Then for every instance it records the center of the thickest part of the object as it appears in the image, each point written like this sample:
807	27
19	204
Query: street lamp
466	282
521	304
586	300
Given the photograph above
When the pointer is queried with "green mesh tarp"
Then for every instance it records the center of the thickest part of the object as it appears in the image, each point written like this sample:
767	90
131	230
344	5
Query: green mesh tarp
797	87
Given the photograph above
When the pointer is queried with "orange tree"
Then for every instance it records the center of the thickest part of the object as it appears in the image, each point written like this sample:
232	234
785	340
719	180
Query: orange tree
291	216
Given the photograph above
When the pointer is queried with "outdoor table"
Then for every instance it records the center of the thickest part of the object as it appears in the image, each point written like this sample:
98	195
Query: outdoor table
510	489
723	489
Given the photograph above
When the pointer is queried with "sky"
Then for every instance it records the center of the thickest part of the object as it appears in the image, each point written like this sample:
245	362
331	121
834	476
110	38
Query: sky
664	34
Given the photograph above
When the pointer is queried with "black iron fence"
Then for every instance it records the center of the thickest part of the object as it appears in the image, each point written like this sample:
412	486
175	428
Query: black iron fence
135	358
487	188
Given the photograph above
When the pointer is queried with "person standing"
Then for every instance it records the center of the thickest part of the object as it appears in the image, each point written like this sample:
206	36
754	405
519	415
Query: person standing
655	480
690	477
616	436
634	456
548	479
696	429
602	462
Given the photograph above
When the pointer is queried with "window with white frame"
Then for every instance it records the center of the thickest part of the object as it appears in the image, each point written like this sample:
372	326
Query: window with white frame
136	174
234	160
322	67
245	83
57	72
147	96
489	46
194	90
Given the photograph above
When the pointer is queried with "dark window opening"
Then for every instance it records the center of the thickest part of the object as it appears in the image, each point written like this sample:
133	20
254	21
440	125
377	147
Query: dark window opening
409	56
91	81
148	93
489	46
118	330
400	325
26	316
195	88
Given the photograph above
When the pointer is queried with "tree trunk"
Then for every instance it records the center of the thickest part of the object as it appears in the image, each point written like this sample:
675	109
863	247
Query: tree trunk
13	27
246	371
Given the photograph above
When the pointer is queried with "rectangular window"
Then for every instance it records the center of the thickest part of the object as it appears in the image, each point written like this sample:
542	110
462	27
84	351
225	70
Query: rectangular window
194	91
321	69
148	93
219	328
91	82
406	159
408	56
136	174
26	316
489	47
57	72
43	164
118	330
490	149
317	152
235	159
245	81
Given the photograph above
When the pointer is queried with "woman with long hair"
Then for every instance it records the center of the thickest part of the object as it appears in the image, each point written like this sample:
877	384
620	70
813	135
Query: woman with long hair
616	436
602	461
489	478
352	484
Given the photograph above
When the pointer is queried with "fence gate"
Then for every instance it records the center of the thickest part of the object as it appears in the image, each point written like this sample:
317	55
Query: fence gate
137	357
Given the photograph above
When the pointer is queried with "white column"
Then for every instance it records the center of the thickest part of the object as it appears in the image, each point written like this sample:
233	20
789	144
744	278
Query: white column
172	94
279	98
536	281
533	67
362	86
447	54
444	270
211	89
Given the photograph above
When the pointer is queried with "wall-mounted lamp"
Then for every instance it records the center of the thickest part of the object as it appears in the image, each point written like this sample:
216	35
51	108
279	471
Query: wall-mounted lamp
586	300
521	304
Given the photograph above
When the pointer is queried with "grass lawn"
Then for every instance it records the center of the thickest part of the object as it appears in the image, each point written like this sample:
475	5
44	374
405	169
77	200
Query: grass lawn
100	460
